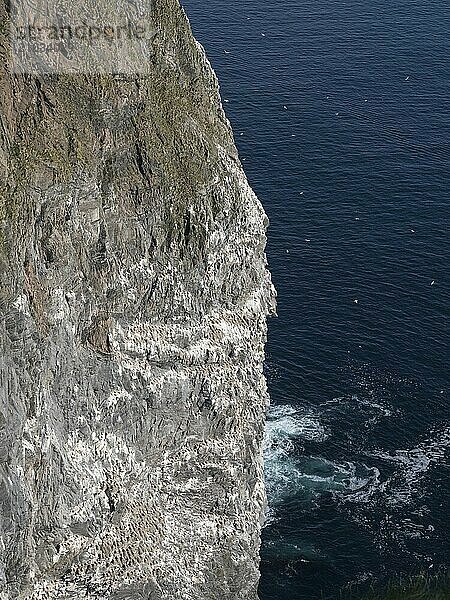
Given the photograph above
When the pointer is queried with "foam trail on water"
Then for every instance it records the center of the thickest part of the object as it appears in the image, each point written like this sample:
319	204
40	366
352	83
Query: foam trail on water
410	467
285	428
290	473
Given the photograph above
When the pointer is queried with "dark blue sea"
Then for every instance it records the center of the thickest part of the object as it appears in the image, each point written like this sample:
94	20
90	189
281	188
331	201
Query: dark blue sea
342	118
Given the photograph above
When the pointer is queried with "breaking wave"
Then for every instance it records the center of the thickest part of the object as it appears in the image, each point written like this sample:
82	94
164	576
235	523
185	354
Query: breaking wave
386	480
290	473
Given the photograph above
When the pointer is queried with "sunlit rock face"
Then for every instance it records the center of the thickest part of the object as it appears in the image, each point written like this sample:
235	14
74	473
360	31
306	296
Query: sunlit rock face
133	302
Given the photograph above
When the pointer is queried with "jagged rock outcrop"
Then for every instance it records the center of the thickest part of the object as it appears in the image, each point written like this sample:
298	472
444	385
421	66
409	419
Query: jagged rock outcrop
133	301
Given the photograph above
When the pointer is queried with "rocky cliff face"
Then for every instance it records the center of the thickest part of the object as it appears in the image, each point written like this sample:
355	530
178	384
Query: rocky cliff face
133	299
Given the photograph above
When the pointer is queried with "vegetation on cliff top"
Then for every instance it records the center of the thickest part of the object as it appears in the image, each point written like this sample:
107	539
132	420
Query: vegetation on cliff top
419	587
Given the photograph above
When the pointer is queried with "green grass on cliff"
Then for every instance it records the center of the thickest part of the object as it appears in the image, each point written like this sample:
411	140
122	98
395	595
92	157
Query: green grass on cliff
420	587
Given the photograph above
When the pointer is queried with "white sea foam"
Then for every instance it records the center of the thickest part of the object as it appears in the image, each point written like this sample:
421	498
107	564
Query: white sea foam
286	427
290	474
398	494
284	421
373	410
389	480
410	467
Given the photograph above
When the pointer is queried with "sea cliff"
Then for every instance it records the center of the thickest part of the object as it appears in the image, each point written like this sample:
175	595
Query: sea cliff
134	292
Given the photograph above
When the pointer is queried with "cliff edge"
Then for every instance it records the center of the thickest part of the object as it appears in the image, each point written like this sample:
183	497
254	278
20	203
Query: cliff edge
133	302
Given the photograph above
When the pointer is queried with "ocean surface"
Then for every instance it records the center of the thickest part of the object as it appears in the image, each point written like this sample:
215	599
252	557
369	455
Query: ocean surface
342	118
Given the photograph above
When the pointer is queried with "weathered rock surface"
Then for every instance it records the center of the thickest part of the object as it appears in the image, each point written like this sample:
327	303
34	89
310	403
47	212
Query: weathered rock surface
133	303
